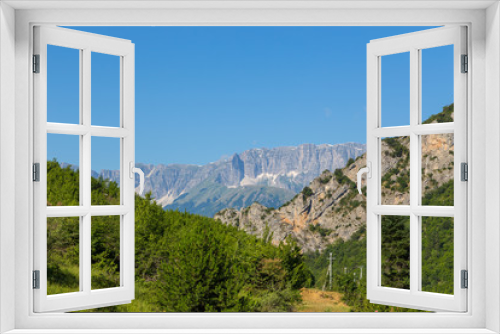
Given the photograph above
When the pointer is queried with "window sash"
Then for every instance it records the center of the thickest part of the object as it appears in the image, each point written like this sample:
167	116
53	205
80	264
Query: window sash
86	298
413	43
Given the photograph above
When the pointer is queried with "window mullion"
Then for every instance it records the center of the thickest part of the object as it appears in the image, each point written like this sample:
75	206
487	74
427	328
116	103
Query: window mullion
85	178
373	184
127	155
414	170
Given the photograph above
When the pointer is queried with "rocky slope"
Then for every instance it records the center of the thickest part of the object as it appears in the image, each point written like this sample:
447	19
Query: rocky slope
331	208
290	168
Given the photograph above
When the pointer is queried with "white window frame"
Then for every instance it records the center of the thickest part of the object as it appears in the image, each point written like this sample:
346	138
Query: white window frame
86	44
483	20
414	43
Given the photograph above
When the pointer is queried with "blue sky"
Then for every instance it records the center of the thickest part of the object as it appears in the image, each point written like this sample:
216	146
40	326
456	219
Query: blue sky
207	92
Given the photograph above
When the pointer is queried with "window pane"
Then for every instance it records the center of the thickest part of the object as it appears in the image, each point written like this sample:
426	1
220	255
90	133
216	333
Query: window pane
105	252
105	171
395	171
63	85
395	90
63	175
396	252
437	254
105	90
437	84
63	259
437	169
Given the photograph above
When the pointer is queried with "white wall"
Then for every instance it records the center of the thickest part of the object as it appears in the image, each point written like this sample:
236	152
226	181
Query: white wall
7	164
492	166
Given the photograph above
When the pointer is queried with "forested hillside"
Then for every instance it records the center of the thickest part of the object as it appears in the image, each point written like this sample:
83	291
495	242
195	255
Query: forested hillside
184	262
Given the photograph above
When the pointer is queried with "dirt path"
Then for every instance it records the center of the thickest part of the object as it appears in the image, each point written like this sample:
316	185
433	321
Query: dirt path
314	300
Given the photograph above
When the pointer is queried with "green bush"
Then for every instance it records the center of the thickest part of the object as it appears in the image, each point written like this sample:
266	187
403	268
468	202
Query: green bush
306	192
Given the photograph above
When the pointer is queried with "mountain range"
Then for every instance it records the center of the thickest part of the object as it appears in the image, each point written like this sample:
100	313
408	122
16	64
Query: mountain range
269	176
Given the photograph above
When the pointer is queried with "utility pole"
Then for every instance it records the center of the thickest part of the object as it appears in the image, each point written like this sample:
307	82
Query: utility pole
331	270
361	276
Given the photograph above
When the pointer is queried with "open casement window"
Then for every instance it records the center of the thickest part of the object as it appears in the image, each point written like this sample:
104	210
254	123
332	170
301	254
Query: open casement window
84	223
407	162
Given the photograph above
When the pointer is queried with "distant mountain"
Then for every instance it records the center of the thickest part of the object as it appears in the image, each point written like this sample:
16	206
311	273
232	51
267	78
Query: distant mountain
209	197
270	176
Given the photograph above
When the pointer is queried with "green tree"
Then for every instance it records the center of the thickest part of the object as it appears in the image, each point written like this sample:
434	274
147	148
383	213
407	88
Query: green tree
396	252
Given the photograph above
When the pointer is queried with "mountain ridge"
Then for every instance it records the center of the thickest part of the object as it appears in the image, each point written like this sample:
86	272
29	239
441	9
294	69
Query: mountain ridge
286	167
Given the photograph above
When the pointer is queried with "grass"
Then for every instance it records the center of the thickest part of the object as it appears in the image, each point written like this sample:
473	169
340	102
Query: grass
145	300
72	284
145	295
314	300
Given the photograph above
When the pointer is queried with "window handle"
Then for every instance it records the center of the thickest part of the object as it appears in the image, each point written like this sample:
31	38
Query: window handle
139	171
368	171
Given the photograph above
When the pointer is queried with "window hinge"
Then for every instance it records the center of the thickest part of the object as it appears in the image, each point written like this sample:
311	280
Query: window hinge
465	279
465	64
36	279
36	63
36	172
464	171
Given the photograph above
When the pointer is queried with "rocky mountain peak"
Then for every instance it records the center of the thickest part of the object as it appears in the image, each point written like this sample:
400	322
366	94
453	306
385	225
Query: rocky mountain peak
288	168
